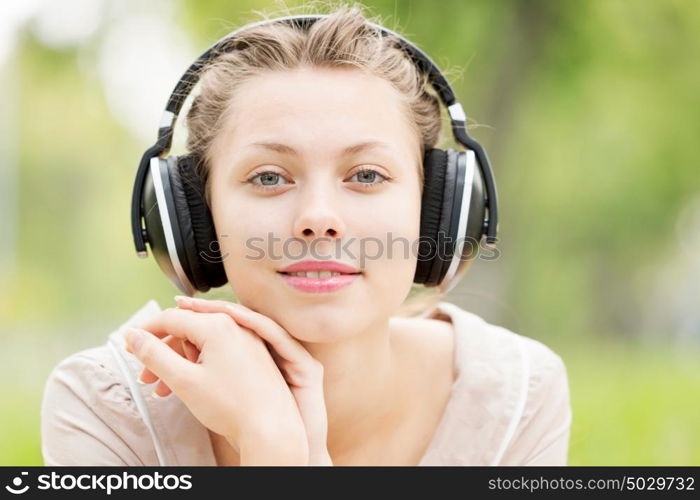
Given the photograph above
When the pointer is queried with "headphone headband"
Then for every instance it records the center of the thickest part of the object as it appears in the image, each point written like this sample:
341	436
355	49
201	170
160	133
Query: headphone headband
304	22
190	78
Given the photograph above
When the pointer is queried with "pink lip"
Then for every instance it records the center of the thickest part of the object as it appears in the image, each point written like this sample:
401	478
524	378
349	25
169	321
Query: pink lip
319	285
320	265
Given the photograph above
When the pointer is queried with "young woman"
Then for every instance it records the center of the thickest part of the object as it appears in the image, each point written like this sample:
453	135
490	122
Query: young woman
313	137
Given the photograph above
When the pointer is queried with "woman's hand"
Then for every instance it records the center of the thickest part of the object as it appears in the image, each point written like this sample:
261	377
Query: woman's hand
234	388
302	372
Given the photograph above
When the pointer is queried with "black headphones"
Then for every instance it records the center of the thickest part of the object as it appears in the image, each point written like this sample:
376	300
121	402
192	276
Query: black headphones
459	202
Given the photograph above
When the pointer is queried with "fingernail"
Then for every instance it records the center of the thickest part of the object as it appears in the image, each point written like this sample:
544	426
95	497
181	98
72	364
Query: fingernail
157	396
181	299
141	381
237	307
134	338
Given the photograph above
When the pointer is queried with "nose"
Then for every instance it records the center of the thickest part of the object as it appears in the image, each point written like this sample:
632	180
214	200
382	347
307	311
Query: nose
318	215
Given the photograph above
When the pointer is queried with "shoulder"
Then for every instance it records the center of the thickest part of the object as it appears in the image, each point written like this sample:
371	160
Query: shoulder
89	375
479	345
502	348
88	412
515	389
96	372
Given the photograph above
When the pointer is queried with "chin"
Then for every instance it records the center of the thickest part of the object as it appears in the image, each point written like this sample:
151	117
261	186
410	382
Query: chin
312	326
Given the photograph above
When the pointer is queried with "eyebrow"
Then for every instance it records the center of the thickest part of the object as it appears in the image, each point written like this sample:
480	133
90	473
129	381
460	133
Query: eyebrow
349	150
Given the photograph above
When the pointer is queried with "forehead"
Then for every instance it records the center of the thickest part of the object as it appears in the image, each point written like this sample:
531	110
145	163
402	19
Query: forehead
321	105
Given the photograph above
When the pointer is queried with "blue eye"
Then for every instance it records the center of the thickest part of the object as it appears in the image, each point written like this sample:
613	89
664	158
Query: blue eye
267	180
367	174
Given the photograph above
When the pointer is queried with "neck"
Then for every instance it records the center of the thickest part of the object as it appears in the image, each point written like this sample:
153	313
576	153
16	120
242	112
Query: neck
360	385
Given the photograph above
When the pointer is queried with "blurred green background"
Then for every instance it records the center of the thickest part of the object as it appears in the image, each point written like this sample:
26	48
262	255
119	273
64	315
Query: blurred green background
589	110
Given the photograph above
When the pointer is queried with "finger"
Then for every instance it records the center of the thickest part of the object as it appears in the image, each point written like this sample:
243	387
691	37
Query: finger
185	349
162	390
298	375
190	350
147	376
286	346
168	365
279	361
180	323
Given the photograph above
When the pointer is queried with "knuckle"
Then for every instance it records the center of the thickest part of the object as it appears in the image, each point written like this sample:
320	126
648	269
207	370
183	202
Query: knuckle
169	314
221	321
314	370
307	373
243	335
147	353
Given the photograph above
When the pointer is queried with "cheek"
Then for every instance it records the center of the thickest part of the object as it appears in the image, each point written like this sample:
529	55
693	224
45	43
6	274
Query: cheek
395	222
391	261
243	228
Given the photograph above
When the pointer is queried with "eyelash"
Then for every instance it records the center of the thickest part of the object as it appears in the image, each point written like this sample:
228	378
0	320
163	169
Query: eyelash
365	185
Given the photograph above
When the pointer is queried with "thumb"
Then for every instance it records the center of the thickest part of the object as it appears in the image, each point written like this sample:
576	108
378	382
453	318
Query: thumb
158	357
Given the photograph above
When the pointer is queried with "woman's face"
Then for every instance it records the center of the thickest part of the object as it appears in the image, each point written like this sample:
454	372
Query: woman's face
287	187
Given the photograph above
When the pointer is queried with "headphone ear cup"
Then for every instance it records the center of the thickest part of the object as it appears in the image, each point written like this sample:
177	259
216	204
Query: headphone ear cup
154	214
470	204
434	169
159	204
182	213
454	192
196	224
444	204
447	229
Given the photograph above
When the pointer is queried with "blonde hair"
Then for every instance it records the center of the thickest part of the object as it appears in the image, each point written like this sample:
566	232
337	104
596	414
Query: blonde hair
341	40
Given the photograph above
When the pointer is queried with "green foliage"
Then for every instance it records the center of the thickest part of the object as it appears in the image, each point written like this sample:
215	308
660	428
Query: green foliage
633	405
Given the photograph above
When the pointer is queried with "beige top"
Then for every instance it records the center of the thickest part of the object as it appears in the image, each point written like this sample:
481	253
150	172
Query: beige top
509	405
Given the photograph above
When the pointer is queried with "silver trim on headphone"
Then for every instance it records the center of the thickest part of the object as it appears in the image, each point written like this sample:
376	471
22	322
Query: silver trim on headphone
463	219
181	280
167	119
456	112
